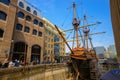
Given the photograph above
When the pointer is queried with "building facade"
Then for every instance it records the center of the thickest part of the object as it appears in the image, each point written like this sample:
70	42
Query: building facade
115	16
54	45
112	51
100	51
21	31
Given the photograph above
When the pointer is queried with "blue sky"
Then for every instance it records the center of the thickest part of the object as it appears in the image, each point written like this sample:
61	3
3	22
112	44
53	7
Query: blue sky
59	12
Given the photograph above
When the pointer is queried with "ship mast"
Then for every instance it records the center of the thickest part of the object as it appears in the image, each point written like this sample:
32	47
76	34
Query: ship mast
86	31
75	23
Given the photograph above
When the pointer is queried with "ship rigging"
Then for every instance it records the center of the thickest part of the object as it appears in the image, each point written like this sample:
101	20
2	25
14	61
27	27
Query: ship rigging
83	57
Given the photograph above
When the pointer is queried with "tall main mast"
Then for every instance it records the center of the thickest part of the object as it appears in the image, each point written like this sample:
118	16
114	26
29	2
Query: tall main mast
75	23
86	31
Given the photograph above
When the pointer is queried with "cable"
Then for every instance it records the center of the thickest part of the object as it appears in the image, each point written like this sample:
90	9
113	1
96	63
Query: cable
81	36
69	34
66	18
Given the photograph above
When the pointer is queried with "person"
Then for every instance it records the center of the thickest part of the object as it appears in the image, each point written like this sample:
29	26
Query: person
37	61
10	64
34	62
5	63
16	63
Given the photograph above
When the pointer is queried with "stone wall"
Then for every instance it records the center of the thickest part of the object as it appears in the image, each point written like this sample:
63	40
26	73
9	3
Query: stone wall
37	72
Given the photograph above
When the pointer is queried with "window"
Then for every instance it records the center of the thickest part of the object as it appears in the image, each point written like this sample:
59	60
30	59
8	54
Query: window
40	33
51	40
19	27
3	15
34	32
35	21
36	49
51	52
49	32
48	45
48	51
27	29
20	14
21	4
40	24
35	12
28	18
7	2
45	37
1	33
28	9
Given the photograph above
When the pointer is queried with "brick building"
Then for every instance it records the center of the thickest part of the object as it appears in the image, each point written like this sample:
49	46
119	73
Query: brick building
21	31
25	35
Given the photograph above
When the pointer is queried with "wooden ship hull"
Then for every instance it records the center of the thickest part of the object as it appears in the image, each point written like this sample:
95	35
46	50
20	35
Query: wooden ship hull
85	66
81	68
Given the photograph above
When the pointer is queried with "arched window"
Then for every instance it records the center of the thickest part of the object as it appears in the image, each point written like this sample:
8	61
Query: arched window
35	21
19	27
27	29
21	4
40	33
20	14
3	15
28	18
1	33
36	49
35	55
28	9
7	2
34	32
35	12
40	24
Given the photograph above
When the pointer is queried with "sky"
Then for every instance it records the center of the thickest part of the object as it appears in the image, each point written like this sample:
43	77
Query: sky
60	12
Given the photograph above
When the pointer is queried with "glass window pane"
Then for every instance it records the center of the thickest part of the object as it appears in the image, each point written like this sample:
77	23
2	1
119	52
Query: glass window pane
35	12
40	33
19	27
35	21
41	24
34	32
1	33
27	29
21	4
28	9
20	14
28	18
7	2
3	15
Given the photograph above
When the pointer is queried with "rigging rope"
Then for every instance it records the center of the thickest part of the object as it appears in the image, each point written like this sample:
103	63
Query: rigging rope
69	34
66	18
81	35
